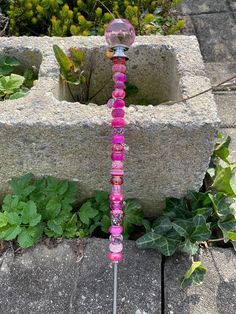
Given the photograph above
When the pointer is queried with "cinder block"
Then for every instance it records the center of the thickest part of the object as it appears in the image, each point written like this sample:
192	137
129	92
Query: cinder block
170	145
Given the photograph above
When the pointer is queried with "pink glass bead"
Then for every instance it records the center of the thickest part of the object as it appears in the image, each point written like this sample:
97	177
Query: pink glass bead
118	156
117	180
116	239
117	206
119	68
118	139
117	189
119	103
115	257
115	248
119	85
117	172
118	113
115	230
118	93
110	103
120	32
119	77
116	197
118	60
117	164
118	122
117	218
118	147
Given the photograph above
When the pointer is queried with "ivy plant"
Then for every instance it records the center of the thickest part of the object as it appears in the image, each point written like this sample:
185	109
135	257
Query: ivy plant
205	216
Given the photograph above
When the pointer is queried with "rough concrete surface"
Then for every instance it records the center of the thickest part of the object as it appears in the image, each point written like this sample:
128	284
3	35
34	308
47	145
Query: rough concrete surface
226	103
170	145
215	296
75	277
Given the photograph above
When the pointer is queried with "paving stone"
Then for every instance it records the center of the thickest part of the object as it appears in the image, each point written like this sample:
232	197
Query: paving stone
217	295
76	278
226	104
216	35
203	6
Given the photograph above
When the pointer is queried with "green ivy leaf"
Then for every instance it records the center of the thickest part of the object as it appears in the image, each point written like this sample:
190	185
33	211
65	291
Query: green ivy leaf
133	212
162	225
222	149
231	235
222	182
188	247
194	274
105	223
226	225
176	209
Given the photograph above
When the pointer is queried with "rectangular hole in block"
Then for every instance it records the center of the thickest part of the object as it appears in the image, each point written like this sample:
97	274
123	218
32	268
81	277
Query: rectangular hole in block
152	69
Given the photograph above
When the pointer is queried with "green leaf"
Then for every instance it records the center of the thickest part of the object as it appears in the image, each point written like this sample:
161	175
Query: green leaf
53	208
231	235
162	225
87	212
201	230
3	220
77	57
176	209
53	226
13	218
188	247
12	61
222	182
17	95
11	233
29	236
227	225
183	227
222	149
194	274
105	223
133	212
130	89
20	186
8	84
147	225
101	196
166	245
64	61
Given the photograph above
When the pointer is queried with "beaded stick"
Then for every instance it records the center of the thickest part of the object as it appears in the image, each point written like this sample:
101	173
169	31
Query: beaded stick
120	36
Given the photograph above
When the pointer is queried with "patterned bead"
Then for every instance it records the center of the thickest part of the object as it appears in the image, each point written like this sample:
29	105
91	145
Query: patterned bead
117	216
118	131
117	172
116	239
117	164
117	206
118	156
116	248
118	139
117	67
119	85
117	180
115	257
119	103
116	198
110	103
118	147
119	77
115	230
117	189
118	122
118	93
118	113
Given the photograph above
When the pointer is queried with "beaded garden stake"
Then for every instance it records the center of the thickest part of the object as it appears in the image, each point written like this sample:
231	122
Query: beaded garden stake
120	36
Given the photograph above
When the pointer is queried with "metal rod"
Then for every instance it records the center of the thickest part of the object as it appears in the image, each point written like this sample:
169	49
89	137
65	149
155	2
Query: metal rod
115	288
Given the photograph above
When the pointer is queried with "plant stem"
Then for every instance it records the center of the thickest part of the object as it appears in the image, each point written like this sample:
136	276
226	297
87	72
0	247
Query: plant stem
68	84
100	89
215	240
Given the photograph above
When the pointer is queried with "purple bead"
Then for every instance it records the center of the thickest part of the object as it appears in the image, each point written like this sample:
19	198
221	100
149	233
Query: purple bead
119	85
118	139
119	77
116	239
118	113
117	206
117	189
118	156
110	103
118	131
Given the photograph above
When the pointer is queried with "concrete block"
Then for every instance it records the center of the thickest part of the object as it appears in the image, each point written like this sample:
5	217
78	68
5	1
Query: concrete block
75	277
232	133
215	296
203	6
226	103
170	145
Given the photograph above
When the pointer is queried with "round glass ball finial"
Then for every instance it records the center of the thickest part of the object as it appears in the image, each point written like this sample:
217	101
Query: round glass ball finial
120	32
